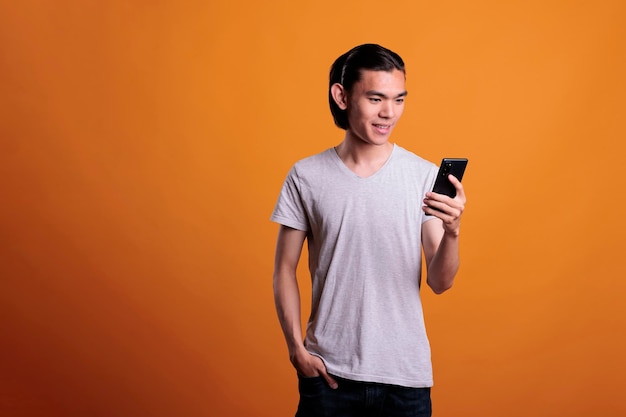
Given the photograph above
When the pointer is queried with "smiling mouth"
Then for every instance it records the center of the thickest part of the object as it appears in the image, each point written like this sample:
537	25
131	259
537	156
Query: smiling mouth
382	127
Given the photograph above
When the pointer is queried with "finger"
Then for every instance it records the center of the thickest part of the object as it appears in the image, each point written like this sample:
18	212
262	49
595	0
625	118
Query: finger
329	379
438	204
431	211
455	181
457	184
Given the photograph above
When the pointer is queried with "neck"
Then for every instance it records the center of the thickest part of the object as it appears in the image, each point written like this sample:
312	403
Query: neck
364	159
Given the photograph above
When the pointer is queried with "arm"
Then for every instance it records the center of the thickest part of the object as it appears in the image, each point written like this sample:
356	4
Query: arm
287	298
440	237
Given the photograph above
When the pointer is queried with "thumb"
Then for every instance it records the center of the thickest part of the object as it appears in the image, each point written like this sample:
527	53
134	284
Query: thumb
329	379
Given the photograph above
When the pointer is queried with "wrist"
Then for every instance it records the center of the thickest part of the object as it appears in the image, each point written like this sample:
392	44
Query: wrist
451	234
297	350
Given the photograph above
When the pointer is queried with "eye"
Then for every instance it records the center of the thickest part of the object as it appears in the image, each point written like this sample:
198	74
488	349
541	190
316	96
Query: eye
399	100
374	99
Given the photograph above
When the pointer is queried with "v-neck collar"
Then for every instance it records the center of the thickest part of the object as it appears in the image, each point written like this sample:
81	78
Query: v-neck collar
348	171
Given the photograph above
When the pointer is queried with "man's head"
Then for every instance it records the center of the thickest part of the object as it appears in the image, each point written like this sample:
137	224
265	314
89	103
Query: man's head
347	70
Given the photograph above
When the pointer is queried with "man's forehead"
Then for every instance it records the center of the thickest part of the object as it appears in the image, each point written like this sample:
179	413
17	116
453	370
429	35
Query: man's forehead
390	82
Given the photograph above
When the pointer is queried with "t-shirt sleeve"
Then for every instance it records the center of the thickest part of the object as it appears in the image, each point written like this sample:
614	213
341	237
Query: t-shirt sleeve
289	210
430	182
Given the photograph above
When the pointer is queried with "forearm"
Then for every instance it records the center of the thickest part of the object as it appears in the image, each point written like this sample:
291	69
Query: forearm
287	299
444	264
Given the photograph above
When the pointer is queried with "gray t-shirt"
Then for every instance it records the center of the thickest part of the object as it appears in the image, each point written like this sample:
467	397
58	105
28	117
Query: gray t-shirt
364	241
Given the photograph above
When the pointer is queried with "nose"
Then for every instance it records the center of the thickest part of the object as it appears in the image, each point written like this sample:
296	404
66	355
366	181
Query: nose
386	109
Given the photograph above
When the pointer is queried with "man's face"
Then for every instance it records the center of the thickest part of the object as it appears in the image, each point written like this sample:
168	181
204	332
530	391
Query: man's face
375	105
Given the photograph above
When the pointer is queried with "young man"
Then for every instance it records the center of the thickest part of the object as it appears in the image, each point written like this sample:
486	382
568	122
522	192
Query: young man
366	211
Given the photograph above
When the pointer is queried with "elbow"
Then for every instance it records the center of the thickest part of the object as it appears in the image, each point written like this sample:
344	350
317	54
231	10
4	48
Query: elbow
440	288
441	281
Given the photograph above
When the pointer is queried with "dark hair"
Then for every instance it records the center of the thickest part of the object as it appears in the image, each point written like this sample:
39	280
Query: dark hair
346	70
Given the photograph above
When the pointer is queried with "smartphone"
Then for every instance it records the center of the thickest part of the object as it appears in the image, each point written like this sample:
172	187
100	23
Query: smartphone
454	166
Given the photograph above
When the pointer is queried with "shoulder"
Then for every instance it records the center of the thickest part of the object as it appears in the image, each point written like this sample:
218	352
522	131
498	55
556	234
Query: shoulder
315	164
409	158
316	159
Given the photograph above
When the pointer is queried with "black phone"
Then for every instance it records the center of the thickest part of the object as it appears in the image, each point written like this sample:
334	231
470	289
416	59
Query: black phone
454	166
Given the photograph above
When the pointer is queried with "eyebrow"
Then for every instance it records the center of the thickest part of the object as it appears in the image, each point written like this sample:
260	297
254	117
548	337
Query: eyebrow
382	95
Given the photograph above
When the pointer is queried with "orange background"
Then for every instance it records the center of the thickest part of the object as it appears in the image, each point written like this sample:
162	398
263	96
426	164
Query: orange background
143	145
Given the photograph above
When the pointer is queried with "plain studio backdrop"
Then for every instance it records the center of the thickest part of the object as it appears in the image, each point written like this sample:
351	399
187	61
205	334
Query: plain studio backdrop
143	145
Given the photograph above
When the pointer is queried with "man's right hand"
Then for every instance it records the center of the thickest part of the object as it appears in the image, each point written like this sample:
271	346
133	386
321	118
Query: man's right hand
311	366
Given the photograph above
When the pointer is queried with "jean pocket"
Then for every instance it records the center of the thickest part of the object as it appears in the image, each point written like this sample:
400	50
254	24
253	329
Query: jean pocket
310	384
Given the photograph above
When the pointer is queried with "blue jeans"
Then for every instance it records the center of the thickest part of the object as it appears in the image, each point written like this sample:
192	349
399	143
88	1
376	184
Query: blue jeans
360	399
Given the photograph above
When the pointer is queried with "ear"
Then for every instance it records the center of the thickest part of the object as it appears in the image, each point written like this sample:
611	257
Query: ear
339	95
